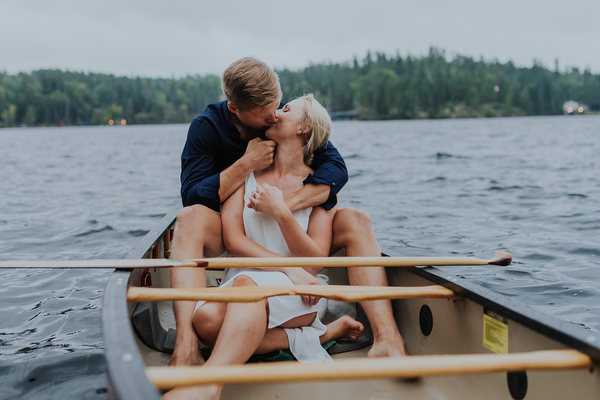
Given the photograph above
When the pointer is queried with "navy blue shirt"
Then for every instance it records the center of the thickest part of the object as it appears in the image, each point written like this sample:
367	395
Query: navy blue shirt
214	143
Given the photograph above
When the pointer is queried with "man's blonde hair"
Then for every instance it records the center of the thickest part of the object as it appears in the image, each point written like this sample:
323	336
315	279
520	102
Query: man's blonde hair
317	117
249	84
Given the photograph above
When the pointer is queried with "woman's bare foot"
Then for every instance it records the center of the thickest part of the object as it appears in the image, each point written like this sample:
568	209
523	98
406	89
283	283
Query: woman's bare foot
212	392
344	327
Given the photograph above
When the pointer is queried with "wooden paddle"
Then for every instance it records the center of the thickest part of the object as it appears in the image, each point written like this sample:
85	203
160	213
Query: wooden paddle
501	258
247	294
113	264
368	368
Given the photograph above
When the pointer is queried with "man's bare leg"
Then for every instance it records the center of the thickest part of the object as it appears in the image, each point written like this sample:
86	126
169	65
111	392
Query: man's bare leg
197	234
352	230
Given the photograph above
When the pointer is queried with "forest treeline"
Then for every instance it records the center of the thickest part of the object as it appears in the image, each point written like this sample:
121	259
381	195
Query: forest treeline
378	87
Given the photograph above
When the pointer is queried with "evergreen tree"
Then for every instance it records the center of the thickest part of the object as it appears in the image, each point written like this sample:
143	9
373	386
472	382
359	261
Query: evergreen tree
378	87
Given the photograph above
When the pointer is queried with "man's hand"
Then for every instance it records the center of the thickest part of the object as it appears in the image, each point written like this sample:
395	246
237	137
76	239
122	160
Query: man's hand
259	154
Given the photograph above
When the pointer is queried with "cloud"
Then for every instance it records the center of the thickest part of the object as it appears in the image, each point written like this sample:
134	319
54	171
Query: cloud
181	37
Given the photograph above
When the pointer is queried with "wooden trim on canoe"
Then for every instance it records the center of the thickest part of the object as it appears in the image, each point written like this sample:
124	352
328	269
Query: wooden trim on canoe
253	294
368	368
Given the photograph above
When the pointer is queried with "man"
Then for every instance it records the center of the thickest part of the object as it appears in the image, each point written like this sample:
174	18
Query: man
224	145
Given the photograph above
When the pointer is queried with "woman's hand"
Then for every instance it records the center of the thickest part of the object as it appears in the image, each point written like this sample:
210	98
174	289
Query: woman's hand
301	277
269	200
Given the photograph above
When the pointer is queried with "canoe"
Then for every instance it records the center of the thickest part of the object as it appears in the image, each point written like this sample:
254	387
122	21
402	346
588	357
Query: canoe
465	342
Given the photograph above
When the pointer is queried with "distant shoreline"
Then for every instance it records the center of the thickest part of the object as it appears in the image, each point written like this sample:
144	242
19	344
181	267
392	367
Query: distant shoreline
377	88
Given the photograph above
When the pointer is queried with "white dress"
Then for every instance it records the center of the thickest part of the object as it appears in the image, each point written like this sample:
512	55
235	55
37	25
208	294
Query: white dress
264	230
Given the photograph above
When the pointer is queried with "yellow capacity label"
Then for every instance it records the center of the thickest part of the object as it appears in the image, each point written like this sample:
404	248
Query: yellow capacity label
495	332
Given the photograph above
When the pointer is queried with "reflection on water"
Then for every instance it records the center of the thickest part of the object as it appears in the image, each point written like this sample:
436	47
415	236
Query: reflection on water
448	187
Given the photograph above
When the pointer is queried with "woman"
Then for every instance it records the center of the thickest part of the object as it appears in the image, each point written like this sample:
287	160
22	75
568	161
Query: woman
257	223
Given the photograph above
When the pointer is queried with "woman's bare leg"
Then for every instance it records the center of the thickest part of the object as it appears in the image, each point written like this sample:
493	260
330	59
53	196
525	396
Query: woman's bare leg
247	321
208	320
345	327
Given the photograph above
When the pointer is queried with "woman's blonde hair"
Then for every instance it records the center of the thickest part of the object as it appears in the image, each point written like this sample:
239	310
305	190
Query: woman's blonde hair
250	83
317	118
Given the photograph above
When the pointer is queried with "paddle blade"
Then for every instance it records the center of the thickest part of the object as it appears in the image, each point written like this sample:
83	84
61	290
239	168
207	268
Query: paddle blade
501	258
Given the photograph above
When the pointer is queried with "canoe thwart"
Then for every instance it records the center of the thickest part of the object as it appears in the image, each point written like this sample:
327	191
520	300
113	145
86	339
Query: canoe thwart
257	293
166	378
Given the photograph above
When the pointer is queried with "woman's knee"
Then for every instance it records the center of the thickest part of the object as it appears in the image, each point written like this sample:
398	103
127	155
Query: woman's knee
243	280
300	321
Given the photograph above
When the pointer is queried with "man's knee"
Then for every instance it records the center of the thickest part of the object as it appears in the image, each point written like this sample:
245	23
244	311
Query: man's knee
349	218
197	233
196	215
207	322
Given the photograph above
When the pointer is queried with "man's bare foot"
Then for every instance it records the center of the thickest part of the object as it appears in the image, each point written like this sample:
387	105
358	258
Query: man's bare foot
344	327
391	346
212	392
180	358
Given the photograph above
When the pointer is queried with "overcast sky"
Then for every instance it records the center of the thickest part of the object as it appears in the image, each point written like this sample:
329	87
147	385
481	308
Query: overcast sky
174	38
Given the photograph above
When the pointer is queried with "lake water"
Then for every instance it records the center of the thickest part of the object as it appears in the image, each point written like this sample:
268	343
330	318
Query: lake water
530	186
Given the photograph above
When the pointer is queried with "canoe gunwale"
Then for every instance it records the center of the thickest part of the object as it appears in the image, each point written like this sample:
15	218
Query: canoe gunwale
126	369
563	332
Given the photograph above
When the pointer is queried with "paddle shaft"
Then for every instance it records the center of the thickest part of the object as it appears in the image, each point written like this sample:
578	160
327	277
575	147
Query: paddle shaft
368	368
501	258
121	263
253	294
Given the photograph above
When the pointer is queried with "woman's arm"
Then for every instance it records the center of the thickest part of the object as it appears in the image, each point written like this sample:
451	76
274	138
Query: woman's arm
234	237
239	245
314	243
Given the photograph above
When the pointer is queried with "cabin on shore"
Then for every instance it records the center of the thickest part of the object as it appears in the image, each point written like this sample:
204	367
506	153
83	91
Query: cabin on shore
344	115
574	108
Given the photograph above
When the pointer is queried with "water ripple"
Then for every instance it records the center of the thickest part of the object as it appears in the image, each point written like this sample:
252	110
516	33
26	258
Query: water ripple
431	188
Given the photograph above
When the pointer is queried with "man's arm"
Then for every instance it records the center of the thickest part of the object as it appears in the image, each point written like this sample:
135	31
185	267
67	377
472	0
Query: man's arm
322	187
201	181
311	195
259	155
